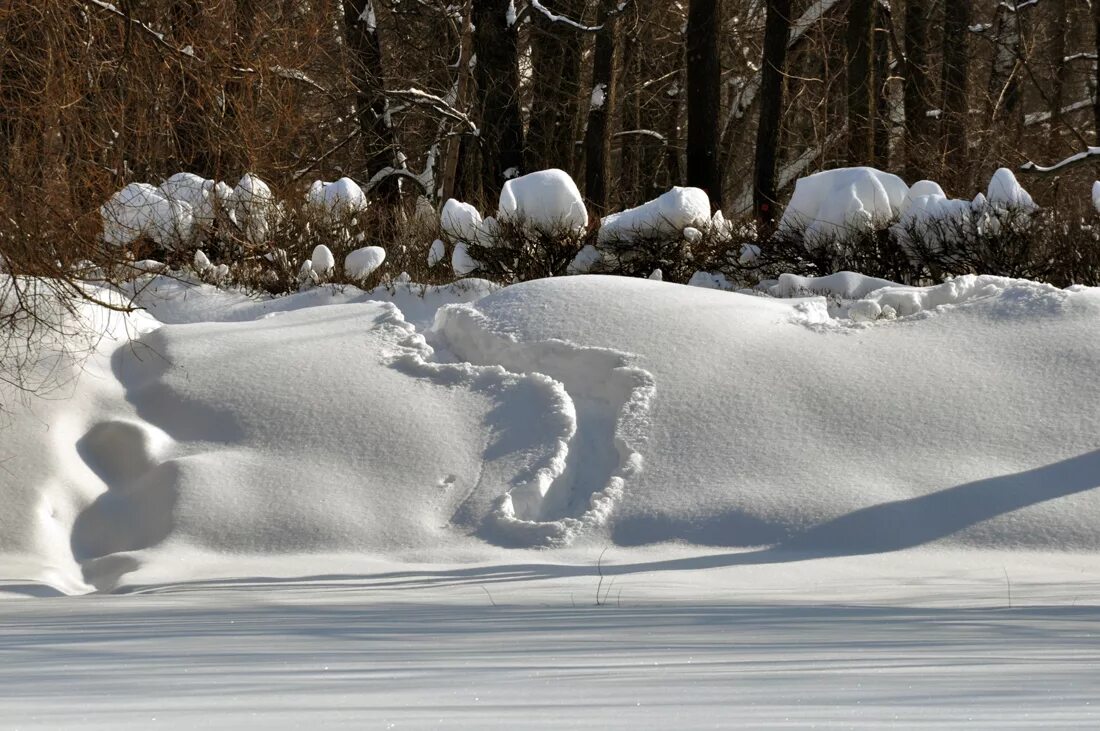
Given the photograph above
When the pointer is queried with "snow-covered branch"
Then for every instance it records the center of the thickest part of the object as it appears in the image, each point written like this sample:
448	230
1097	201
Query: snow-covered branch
643	133
553	18
1071	161
437	103
1040	117
157	36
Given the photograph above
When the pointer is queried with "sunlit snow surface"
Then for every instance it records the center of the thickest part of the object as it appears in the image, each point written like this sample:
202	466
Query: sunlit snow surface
858	505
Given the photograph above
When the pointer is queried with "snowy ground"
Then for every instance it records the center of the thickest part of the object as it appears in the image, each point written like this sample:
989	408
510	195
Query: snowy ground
874	507
417	647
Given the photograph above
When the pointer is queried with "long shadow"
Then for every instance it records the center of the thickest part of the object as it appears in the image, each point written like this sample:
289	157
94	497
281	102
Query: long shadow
883	528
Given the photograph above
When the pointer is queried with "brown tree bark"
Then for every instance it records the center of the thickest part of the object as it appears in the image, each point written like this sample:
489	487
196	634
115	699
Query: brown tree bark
1059	71
777	30
916	90
704	98
371	106
555	86
859	37
597	136
497	74
956	92
879	89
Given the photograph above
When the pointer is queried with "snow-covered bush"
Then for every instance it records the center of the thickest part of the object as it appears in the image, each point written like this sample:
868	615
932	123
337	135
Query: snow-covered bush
546	201
666	217
140	211
837	209
208	199
676	234
361	263
540	227
254	209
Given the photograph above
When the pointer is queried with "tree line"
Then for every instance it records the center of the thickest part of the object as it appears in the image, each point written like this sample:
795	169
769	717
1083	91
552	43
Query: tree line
449	98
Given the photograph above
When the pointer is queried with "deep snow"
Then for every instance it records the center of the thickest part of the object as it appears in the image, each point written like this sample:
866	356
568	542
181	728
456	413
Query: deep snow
818	506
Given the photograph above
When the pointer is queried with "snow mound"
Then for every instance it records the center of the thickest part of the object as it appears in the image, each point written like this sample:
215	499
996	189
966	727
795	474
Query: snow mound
361	263
337	201
830	206
547	201
581	410
670	214
1006	193
845	285
141	209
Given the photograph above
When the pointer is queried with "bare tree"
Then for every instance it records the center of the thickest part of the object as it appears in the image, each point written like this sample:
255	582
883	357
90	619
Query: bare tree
777	30
859	37
371	103
956	88
917	90
497	50
704	98
556	44
604	99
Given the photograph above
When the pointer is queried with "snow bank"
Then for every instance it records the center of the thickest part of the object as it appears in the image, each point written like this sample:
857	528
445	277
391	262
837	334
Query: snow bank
547	201
585	410
667	215
951	427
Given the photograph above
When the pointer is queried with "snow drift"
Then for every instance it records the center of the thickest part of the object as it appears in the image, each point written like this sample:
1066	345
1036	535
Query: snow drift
576	409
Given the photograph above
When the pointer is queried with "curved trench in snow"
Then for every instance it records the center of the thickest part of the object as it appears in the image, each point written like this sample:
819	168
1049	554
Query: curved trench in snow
611	402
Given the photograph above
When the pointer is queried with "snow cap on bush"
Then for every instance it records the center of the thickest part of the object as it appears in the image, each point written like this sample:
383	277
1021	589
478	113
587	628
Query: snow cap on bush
460	221
361	263
141	209
547	201
833	205
1005	192
337	200
667	215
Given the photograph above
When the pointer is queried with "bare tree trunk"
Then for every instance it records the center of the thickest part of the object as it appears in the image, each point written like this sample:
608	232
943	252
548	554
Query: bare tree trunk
1059	71
916	90
371	104
597	136
497	70
880	89
1096	102
704	98
462	83
777	29
861	15
956	92
1004	76
630	193
555	86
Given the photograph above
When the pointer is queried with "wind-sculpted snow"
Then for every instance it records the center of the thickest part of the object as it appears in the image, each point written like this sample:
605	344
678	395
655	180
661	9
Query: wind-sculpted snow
583	411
